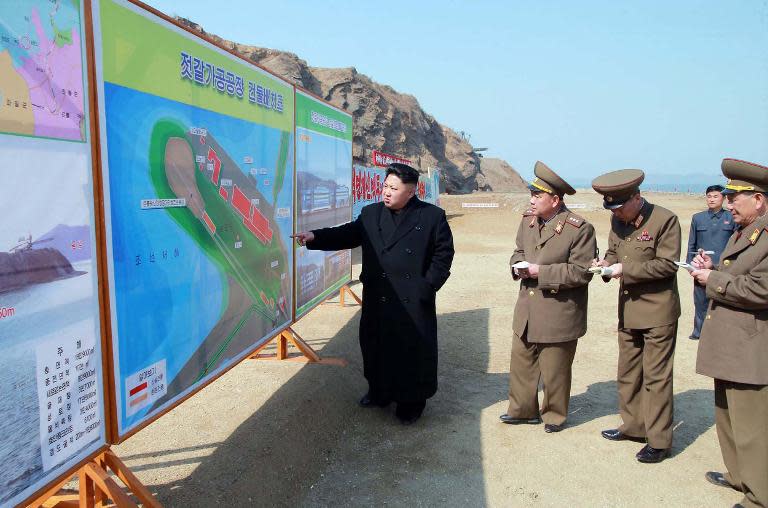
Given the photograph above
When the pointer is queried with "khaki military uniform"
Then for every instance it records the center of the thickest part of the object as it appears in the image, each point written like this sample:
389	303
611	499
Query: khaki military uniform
649	306
734	350
550	314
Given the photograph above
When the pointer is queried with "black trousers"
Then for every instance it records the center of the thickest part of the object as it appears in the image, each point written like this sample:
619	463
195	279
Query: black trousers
700	303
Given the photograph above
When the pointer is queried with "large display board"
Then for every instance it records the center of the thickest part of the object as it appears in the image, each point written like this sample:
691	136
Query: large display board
197	155
51	374
368	182
323	183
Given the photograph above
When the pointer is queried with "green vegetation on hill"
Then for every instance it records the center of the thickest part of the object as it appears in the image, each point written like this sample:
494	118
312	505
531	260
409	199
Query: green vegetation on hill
282	164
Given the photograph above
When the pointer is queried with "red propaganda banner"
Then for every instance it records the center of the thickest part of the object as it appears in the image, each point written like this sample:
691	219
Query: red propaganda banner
383	160
421	190
367	184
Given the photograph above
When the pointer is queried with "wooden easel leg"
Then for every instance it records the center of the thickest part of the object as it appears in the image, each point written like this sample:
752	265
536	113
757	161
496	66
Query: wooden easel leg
343	290
308	354
87	493
57	496
97	487
99	498
302	346
108	486
126	476
282	347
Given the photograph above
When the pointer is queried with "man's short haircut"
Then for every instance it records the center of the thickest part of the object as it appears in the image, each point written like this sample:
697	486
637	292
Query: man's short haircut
715	188
404	172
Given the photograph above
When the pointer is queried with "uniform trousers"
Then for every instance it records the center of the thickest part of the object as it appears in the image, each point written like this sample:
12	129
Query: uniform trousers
644	379
700	304
741	416
548	362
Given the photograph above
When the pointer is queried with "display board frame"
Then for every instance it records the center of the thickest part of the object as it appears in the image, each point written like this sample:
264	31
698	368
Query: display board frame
330	291
118	434
44	488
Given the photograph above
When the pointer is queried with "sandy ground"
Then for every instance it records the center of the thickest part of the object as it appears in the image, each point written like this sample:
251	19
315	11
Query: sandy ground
288	434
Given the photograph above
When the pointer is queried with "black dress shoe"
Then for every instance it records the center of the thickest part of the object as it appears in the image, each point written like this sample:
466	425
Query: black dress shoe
410	419
409	412
718	479
693	337
549	428
369	401
651	455
617	435
505	418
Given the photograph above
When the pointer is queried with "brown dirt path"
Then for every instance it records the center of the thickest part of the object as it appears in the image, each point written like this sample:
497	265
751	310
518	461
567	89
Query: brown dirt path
287	434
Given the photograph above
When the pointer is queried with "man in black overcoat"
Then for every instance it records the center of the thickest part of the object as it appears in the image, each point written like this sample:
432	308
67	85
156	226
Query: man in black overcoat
407	253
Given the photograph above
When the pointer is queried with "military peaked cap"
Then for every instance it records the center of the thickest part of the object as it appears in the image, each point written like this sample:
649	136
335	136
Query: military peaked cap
744	176
548	181
618	186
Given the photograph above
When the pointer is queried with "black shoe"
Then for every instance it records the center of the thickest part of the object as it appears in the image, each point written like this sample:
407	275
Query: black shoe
549	428
409	420
505	418
369	401
617	435
718	479
651	455
409	412
693	337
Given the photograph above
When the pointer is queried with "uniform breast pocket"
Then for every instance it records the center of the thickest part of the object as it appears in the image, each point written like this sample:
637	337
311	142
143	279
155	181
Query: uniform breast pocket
645	252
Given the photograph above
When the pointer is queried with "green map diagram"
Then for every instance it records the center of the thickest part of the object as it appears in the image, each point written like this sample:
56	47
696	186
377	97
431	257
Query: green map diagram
230	220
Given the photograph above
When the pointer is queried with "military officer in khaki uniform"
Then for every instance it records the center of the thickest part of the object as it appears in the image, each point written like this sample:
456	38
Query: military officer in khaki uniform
734	339
555	247
643	245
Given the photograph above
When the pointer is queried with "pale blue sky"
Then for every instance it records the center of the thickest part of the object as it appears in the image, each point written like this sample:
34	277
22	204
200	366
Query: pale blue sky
670	87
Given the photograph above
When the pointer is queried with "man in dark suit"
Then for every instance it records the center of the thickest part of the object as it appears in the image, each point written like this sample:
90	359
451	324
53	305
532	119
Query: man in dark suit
407	254
710	231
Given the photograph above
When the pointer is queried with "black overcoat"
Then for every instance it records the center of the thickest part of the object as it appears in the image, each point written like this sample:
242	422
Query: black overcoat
401	273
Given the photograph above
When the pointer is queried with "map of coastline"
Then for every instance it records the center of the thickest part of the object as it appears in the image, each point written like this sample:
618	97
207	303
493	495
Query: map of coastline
200	218
230	220
41	70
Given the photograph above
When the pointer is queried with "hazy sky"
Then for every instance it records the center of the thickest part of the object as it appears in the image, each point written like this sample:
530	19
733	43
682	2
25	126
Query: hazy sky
587	86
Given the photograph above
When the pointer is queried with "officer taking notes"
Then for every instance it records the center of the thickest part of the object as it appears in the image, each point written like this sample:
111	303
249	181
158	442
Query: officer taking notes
643	246
734	338
554	250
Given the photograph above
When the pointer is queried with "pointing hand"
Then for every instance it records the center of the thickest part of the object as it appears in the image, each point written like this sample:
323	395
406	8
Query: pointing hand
304	237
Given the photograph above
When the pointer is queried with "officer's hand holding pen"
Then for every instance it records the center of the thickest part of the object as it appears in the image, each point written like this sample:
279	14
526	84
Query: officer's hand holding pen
702	260
703	264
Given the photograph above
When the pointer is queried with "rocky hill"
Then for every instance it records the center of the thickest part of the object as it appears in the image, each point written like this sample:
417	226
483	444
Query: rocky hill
496	175
384	119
